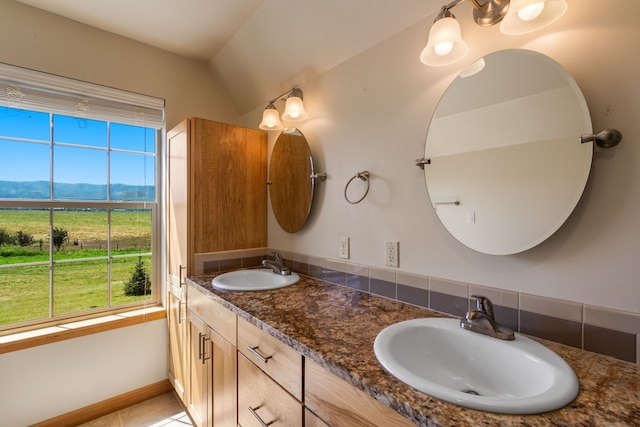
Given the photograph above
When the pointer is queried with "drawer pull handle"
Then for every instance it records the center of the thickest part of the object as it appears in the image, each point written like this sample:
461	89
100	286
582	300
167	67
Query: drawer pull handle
255	414
255	352
204	349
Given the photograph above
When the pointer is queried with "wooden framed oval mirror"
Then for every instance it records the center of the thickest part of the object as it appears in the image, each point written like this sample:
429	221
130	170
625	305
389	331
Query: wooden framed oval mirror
291	180
506	165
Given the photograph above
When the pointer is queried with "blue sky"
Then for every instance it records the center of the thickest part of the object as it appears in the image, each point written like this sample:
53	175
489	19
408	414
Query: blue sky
84	160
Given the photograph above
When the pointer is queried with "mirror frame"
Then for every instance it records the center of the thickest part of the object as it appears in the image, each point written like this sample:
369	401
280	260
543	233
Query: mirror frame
291	180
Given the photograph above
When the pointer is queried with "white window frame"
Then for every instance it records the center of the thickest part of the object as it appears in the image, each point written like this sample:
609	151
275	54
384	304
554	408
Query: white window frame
33	90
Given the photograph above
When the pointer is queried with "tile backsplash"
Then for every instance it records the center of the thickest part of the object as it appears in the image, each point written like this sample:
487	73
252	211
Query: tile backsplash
598	329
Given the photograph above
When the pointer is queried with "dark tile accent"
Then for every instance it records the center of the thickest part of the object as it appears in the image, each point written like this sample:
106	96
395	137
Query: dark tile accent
449	304
254	261
211	267
415	296
317	272
230	264
551	328
506	316
382	287
356	281
337	277
620	345
300	267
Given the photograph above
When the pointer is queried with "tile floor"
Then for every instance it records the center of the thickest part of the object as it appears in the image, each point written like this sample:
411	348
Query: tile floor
161	411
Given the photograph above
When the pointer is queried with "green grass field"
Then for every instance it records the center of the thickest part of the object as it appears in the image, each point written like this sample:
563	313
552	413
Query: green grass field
77	286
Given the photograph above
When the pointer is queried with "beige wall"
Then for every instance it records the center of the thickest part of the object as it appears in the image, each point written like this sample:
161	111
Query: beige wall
42	41
372	112
71	374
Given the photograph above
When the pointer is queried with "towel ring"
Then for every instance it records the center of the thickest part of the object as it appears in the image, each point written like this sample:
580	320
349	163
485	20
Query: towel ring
364	175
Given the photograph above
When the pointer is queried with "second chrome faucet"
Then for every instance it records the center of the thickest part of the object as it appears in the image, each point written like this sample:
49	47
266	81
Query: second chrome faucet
277	265
482	320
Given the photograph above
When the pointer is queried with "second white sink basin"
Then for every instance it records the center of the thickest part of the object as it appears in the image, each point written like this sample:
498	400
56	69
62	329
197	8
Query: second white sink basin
469	369
253	280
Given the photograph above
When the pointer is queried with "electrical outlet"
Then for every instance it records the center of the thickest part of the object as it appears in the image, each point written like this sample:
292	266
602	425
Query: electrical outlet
391	256
343	247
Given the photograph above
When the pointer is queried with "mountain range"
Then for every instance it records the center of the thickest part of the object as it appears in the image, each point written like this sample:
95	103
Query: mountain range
41	190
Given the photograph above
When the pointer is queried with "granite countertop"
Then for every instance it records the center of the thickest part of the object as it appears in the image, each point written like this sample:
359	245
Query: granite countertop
336	327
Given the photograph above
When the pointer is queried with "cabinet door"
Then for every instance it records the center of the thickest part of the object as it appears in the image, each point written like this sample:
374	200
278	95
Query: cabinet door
228	173
200	372
177	211
224	382
176	320
263	402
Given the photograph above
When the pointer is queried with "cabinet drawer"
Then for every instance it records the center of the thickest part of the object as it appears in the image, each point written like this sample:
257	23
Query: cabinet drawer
340	403
261	401
278	360
219	318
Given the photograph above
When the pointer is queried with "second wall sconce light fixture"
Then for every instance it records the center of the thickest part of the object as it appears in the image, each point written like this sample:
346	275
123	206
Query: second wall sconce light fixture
293	110
445	45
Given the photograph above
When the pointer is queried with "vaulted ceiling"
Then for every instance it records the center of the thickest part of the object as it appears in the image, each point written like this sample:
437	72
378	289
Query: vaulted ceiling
257	48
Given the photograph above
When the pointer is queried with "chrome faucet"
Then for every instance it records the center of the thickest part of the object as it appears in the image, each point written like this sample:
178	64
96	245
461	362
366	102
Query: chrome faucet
277	265
481	320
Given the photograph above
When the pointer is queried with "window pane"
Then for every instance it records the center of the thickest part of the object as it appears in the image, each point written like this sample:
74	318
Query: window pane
132	177
134	138
80	233
79	286
24	170
80	131
79	174
130	280
25	124
24	235
130	231
24	293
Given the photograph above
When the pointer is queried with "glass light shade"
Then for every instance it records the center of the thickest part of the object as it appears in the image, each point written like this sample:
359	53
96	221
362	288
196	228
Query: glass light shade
294	110
445	45
525	16
270	120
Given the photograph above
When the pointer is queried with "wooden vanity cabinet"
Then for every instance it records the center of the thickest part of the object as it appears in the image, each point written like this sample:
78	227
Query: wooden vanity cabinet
212	396
212	169
269	379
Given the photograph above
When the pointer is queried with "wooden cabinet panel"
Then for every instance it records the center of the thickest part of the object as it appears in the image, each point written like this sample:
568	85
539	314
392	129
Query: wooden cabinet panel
222	320
261	399
217	191
199	372
224	387
229	177
339	403
178	240
282	363
176	321
213	388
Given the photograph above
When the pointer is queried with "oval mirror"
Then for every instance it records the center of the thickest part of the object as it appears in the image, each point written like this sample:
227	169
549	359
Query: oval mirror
291	183
506	165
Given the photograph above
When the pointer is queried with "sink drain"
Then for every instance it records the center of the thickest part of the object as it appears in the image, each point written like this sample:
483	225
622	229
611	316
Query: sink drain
470	391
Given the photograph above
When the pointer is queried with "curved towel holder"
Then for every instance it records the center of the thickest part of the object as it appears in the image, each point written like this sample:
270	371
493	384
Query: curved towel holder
364	175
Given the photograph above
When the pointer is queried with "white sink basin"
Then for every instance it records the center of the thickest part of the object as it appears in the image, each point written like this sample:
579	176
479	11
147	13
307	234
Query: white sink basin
469	369
253	280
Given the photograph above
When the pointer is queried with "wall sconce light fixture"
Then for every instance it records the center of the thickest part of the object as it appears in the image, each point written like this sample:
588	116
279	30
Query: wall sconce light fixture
445	45
293	110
